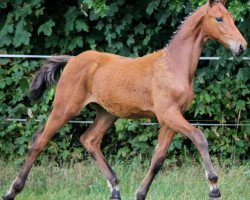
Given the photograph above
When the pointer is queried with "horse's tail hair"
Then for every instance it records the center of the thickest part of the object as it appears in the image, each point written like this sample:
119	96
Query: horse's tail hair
48	75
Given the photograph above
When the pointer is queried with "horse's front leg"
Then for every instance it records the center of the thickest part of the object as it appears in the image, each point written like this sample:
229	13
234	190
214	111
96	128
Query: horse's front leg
176	121
164	139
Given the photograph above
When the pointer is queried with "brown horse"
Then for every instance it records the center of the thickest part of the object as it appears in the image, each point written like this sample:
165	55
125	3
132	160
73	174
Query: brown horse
157	85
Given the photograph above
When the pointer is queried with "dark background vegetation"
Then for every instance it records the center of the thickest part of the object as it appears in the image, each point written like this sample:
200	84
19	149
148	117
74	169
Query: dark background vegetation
129	28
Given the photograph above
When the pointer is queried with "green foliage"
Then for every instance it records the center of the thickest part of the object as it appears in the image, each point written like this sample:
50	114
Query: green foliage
46	28
129	29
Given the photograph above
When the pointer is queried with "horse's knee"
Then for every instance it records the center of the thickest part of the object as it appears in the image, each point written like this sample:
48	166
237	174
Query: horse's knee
199	139
203	145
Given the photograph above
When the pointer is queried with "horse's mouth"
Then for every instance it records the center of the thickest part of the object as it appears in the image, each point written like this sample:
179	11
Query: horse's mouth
237	49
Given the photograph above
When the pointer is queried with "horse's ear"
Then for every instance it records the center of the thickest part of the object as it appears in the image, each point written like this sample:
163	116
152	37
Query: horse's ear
223	2
212	2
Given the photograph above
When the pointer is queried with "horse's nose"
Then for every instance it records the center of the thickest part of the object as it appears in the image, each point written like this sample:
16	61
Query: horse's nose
241	50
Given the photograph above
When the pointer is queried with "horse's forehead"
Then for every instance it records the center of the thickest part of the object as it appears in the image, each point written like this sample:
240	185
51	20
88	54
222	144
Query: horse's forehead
219	10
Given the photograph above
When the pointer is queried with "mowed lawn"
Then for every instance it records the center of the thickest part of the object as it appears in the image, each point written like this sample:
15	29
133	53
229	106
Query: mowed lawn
84	181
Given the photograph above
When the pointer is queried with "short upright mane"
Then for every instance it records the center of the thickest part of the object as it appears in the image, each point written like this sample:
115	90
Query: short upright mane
180	26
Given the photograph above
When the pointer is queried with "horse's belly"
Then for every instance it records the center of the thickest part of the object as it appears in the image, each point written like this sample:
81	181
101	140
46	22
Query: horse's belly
127	111
126	103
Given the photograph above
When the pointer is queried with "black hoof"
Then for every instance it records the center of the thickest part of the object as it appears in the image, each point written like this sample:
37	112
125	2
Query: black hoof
115	198
115	195
215	193
140	197
7	198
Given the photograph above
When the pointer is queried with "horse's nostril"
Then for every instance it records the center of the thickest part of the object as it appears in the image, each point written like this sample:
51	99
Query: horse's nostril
241	49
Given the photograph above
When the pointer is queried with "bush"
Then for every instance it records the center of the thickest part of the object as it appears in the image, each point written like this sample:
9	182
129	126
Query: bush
129	28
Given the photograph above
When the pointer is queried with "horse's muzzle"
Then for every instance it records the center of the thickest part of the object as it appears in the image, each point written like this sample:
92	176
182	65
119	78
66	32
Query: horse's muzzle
239	50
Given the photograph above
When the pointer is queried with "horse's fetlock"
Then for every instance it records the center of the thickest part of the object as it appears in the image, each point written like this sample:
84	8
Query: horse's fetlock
18	186
114	181
213	178
201	141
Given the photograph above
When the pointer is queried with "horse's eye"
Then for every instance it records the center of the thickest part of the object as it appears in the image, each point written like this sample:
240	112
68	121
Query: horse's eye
219	19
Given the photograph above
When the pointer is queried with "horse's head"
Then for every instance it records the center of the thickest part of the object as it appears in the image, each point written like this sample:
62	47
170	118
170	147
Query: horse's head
219	25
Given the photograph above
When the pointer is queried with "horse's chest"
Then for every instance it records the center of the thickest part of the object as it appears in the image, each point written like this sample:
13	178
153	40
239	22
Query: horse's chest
175	93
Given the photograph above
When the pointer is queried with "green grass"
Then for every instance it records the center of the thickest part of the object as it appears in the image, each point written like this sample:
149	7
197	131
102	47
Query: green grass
84	181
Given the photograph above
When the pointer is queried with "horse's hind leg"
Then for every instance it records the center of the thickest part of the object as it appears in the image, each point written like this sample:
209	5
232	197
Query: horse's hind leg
92	139
56	120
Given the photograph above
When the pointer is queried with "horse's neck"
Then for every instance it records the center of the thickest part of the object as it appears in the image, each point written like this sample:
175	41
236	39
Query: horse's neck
184	51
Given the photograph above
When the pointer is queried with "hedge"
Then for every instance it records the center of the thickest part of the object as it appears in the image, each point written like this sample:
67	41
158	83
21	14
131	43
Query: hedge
129	28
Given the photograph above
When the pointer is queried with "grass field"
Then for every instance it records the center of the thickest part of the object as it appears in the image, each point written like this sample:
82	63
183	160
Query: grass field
84	181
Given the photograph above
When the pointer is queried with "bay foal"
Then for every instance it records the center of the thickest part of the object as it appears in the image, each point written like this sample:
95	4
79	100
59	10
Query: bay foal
157	85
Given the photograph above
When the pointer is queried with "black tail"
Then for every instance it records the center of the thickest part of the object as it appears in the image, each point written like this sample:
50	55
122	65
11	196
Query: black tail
47	75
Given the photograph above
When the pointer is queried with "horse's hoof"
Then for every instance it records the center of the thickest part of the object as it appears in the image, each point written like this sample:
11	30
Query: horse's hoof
215	193
6	198
112	198
115	195
140	197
